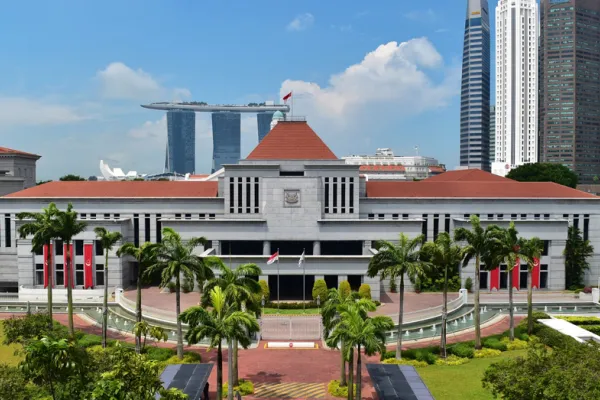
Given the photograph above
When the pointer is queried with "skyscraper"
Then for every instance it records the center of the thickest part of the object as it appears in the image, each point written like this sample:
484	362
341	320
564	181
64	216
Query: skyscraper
475	92
492	133
263	120
570	86
181	142
226	127
516	84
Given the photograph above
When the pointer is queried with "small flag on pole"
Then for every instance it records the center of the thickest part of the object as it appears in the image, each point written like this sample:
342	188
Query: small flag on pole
273	258
287	96
301	261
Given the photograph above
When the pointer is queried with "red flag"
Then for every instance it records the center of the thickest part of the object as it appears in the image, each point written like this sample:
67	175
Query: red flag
287	96
273	258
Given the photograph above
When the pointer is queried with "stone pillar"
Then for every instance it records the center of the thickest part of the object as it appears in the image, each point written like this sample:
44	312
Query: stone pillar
267	248
316	248
216	244
342	278
375	285
367	244
319	277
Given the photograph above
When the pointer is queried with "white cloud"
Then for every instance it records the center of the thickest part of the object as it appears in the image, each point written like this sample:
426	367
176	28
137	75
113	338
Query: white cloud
422	15
393	75
150	130
301	22
21	111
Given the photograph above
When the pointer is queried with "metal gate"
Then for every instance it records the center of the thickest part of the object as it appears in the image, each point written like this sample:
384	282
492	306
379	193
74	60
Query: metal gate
279	327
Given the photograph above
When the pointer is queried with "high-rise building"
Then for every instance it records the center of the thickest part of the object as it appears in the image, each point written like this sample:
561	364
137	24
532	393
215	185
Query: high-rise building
570	86
492	133
263	120
475	92
516	84
226	127
181	142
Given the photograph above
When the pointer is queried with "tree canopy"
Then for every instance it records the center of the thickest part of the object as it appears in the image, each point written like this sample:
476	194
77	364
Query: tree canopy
544	172
577	252
71	177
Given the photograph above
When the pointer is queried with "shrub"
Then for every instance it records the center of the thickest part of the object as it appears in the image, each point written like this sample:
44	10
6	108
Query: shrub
32	326
188	358
89	341
393	286
334	389
319	290
405	361
292	306
469	284
428	357
364	291
587	289
345	288
452	360
377	302
493	343
515	344
524	337
579	321
552	338
487	353
462	350
592	328
245	388
159	353
171	286
536	315
264	289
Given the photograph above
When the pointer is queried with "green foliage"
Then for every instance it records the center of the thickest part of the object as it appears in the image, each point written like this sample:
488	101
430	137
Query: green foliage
452	360
462	350
158	353
23	329
487	353
393	286
71	177
319	290
494	343
469	284
426	356
188	358
544	172
245	388
552	338
89	341
406	361
535	316
345	288
364	291
577	252
264	289
42	182
515	344
171	286
432	283
157	333
334	389
13	384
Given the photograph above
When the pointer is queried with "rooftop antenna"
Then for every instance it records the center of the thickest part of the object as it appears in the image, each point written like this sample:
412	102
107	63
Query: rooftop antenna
417	150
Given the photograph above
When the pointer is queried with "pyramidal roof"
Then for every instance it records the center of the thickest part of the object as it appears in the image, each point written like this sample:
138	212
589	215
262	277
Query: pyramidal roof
467	175
292	140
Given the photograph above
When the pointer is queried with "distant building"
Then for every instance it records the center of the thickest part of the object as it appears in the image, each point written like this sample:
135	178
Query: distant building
384	165
475	92
492	133
227	139
181	141
570	86
116	174
516	84
17	170
263	120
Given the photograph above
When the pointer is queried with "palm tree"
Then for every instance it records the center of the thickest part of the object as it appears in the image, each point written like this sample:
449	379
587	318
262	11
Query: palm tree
108	240
176	259
532	249
479	242
43	229
145	255
395	261
221	322
240	289
67	227
444	254
508	248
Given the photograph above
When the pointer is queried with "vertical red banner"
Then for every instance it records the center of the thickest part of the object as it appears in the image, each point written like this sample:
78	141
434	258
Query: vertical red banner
516	274
69	272
88	275
495	279
46	269
535	274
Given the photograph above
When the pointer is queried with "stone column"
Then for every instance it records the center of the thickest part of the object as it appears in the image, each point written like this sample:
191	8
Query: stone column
266	248
342	278
367	244
316	248
216	244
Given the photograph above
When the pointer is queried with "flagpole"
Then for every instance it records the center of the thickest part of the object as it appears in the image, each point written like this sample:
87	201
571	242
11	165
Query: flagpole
303	282
277	281
292	92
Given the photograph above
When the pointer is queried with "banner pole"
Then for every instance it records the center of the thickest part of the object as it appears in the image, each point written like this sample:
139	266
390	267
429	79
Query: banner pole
303	282
277	281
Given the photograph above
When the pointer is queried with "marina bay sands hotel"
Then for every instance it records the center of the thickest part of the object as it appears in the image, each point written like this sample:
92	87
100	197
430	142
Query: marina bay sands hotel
226	127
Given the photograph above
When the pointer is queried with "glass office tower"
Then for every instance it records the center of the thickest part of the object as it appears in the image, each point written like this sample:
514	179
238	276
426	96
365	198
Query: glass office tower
263	120
569	120
475	90
181	142
226	127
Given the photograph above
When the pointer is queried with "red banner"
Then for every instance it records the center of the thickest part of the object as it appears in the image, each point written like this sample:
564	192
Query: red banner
535	274
46	269
88	275
516	273
69	266
495	279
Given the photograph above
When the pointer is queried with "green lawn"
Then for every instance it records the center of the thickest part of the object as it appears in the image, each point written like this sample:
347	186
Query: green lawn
292	312
7	355
462	382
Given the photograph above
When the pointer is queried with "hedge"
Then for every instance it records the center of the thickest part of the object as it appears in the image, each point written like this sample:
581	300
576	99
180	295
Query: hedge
487	353
516	344
319	290
452	360
405	361
334	389
462	350
158	353
292	306
494	343
245	388
345	288
264	289
364	291
579	321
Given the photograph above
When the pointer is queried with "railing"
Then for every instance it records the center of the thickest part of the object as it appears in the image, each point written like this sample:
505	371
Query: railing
432	312
9	296
147	312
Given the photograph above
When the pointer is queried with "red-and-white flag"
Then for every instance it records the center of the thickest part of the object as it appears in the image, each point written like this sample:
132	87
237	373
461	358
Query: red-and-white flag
273	258
287	96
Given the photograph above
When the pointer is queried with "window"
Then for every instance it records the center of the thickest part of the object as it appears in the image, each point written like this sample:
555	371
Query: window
59	247
500	216
78	274
483	279
211	216
544	276
78	247
136	230
404	216
513	216
158	228
326	195
586	227
177	216
202	216
447	223
424	226
546	247
335	199
39	252
239	195
536	216
60	274
576	221
394	216
351	194
83	215
256	195
380	216
490	216
371	216
436	225
188	216
7	231
467	216
546	216
106	216
39	274
248	195
523	277
99	248
523	216
99	274
503	277
117	216
231	195
92	216
343	192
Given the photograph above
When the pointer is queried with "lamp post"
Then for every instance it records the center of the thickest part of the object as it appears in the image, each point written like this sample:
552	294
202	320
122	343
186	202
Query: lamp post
262	303
319	303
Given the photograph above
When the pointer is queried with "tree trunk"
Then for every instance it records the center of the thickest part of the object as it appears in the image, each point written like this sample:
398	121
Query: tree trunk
351	375
343	376
529	303
50	285
511	311
444	315
219	372
234	363
138	308
230	370
358	374
400	318
477	316
105	302
70	292
177	312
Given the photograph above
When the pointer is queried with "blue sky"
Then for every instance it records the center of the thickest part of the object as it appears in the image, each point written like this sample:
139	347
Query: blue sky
73	74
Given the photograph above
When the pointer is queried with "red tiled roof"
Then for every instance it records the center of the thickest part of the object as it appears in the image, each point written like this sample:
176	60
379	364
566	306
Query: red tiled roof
120	189
382	168
436	169
6	150
461	189
468	175
291	140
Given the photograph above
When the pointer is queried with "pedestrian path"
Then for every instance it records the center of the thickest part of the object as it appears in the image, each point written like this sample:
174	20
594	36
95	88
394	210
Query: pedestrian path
289	390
